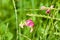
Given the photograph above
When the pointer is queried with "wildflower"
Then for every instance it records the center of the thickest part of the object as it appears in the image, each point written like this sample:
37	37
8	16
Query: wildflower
29	23
48	11
43	8
52	6
47	8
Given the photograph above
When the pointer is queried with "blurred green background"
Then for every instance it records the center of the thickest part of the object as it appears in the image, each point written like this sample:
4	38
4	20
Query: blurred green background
12	12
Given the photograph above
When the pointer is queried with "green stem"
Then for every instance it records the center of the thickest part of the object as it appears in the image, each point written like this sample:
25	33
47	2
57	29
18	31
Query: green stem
36	9
24	36
48	17
16	17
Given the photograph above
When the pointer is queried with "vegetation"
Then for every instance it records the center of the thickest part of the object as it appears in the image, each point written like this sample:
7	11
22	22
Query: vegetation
46	22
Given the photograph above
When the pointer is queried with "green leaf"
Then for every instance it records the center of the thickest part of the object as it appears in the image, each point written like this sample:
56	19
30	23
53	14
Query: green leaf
9	36
2	29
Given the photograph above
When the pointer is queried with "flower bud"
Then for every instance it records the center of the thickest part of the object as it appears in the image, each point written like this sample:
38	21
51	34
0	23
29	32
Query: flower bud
43	8
52	6
48	11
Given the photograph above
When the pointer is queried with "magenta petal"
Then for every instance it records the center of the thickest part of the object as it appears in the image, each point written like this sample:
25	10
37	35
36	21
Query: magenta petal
29	23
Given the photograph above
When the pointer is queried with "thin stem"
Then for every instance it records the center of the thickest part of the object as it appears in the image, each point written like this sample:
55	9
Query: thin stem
56	33
36	9
24	36
5	31
0	37
16	17
48	17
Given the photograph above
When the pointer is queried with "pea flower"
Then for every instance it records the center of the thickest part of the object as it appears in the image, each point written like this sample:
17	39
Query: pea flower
48	11
28	23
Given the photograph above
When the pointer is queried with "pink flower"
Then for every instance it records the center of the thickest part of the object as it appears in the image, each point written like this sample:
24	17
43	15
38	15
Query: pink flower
29	23
47	11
